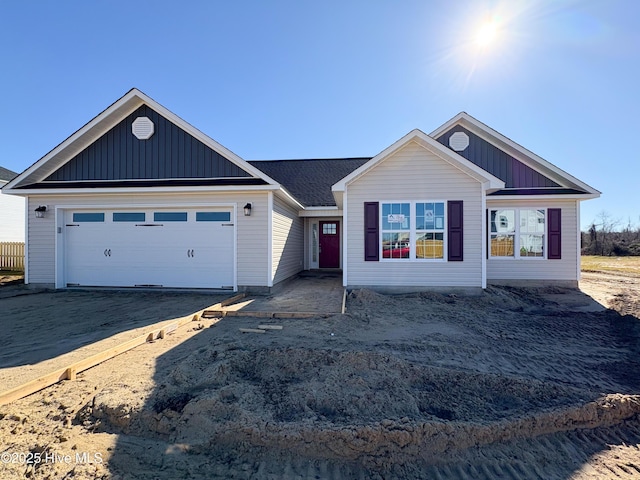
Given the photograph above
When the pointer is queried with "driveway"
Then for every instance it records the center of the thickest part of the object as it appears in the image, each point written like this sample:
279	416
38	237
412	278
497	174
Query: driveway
38	329
45	330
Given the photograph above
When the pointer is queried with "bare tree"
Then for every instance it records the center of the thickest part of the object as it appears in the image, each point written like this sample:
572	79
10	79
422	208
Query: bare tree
605	237
593	237
607	225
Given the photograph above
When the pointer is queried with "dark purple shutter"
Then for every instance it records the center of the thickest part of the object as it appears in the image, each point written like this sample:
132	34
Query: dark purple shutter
371	236
554	234
454	231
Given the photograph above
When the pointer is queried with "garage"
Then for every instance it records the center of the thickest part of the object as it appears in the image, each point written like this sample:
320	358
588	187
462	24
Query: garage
147	247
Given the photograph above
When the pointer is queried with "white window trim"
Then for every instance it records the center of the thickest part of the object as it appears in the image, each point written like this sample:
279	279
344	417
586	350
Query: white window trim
412	233
516	241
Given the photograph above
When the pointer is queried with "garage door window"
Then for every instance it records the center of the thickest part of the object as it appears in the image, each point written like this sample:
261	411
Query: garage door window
213	216
88	217
129	217
170	216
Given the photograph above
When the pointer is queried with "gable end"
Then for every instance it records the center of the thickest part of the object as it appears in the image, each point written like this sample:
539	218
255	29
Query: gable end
170	153
512	171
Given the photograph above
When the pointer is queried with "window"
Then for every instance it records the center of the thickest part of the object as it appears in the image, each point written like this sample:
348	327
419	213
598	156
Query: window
329	229
503	233
396	230
413	230
430	230
129	217
213	216
88	217
170	216
532	233
517	233
314	242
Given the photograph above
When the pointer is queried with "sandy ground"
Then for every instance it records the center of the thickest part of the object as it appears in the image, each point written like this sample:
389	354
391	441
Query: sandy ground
511	384
9	278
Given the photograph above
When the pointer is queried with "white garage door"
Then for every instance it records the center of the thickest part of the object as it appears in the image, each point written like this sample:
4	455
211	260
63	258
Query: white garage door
190	248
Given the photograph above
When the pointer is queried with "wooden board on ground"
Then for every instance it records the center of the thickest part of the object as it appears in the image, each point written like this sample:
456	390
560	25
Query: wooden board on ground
252	330
232	300
69	372
295	315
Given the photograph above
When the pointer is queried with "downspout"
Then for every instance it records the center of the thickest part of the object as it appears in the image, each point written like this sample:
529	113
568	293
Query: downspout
484	235
26	240
235	247
345	257
579	243
270	239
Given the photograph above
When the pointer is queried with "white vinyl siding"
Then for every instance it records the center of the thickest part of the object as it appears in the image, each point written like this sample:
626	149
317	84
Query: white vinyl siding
11	217
414	174
288	241
252	246
41	243
539	268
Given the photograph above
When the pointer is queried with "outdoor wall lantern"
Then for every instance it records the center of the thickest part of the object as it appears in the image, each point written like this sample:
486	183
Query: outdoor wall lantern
247	210
40	211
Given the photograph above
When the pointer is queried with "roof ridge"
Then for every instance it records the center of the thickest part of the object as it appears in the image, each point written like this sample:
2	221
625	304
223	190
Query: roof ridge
313	159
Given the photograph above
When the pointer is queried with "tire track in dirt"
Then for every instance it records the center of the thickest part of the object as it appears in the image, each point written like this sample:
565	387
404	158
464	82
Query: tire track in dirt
535	349
558	455
575	454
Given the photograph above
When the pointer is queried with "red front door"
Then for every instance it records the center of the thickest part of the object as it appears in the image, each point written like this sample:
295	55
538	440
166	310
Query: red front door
329	244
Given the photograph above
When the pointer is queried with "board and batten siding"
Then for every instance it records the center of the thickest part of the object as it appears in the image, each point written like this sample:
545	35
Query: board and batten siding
252	243
565	268
11	217
170	153
414	174
487	156
288	241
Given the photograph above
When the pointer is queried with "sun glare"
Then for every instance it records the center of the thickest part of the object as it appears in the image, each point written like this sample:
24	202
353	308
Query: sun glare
486	34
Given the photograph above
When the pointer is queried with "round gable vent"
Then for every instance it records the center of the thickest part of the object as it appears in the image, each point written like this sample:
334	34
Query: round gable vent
459	141
142	128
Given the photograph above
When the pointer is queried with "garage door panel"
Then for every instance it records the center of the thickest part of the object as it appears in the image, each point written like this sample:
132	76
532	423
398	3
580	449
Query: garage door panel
159	248
89	251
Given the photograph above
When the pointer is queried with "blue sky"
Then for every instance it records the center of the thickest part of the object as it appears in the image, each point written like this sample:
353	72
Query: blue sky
303	79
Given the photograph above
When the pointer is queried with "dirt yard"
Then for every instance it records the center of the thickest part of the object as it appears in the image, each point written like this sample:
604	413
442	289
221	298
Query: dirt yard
513	384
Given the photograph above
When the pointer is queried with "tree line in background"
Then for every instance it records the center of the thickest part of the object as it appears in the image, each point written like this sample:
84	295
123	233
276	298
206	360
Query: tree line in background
608	237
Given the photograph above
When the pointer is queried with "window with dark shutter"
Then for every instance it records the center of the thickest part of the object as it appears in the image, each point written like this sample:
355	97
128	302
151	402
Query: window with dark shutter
554	234
455	231
371	234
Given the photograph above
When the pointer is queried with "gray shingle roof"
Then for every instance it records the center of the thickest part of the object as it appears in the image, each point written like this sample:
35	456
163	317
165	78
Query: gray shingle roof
310	181
6	174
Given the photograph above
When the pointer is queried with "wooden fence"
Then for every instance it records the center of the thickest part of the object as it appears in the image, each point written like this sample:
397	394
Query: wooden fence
429	249
12	256
502	246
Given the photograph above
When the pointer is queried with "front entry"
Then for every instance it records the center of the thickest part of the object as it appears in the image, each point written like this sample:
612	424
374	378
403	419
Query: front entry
329	244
